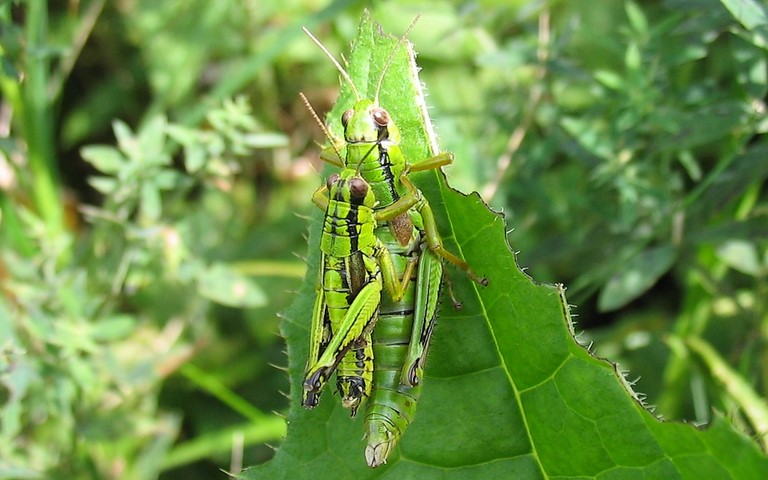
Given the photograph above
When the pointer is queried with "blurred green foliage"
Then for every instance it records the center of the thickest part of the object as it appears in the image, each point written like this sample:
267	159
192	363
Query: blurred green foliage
144	259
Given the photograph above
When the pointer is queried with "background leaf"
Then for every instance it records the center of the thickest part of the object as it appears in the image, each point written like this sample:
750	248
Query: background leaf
638	275
508	391
225	285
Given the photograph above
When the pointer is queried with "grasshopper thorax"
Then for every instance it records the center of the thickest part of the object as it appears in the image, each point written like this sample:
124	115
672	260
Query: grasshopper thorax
349	218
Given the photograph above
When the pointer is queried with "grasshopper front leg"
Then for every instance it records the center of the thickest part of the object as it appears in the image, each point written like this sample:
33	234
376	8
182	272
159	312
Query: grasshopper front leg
335	153
440	160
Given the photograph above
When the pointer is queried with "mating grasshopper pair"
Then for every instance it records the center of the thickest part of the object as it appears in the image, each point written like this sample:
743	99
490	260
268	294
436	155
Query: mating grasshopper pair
379	233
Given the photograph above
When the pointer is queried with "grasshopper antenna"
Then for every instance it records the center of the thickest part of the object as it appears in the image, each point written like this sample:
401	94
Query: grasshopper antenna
360	163
336	63
392	56
322	125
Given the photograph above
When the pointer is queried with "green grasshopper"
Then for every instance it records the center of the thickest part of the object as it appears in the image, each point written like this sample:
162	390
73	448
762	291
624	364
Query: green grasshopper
403	329
401	339
355	266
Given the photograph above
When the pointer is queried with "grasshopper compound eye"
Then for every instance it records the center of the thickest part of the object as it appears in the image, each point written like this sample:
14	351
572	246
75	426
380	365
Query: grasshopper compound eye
380	117
331	180
346	116
358	188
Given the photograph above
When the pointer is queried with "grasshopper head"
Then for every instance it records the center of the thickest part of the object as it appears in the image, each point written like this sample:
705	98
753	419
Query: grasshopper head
349	187
367	122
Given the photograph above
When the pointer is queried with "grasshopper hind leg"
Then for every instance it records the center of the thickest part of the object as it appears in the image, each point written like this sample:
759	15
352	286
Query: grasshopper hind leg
357	323
313	386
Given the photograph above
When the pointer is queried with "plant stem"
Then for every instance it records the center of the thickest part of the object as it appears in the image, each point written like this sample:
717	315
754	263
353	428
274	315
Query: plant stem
36	119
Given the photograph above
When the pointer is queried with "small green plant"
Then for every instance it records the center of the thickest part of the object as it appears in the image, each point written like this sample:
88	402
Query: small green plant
81	371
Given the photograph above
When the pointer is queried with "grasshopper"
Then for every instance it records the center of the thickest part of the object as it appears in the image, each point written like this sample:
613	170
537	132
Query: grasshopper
405	325
355	267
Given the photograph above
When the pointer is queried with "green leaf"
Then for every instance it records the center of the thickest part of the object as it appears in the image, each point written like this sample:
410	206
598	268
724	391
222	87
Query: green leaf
742	256
126	140
703	125
636	18
753	16
105	185
633	58
749	12
152	137
610	79
105	158
638	275
508	392
113	328
167	179
151	203
726	183
225	285
195	157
